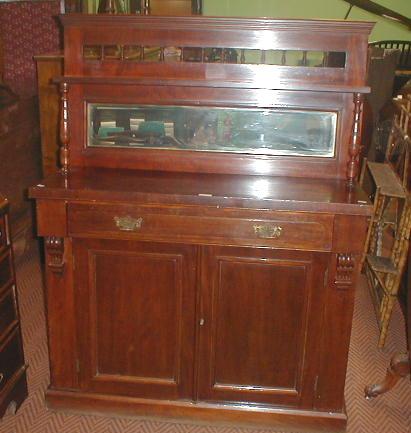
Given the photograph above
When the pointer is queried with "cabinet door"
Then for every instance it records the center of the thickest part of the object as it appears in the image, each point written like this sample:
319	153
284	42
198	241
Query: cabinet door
260	325
136	304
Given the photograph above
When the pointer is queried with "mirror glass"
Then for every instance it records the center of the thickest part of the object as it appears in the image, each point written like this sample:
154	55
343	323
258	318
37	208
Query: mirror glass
213	129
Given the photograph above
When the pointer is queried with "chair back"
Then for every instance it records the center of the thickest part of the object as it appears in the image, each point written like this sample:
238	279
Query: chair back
404	62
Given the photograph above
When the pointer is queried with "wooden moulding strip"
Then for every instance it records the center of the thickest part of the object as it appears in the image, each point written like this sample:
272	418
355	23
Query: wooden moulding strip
241	414
180	82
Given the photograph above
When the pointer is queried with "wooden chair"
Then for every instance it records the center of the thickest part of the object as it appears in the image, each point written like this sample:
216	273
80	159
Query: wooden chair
403	69
404	62
384	273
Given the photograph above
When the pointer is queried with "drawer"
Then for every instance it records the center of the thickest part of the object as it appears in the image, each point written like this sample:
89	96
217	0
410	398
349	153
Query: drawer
8	312
204	225
11	358
3	233
6	268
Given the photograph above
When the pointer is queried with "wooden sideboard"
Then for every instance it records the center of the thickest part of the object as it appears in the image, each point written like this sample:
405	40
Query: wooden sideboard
202	254
13	382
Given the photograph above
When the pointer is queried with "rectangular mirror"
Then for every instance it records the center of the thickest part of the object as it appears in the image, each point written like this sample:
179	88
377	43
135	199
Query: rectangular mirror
213	129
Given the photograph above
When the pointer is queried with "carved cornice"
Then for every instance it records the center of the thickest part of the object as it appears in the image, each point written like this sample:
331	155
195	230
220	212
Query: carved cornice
208	24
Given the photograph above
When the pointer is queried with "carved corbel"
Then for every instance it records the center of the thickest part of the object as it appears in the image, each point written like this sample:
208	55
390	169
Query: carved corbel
345	269
55	254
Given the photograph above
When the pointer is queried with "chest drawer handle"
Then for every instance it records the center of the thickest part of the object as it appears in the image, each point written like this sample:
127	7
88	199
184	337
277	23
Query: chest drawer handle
128	224
1	377
268	232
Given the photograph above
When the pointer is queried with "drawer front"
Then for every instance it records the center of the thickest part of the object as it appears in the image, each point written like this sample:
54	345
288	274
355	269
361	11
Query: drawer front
3	233
215	226
6	273
8	313
11	358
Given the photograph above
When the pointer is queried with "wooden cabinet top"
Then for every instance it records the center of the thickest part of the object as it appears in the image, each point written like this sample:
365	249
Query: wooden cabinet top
254	192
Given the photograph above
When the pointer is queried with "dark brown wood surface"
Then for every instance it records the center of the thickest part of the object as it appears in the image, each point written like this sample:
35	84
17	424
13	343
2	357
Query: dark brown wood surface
13	384
266	192
263	308
222	84
20	163
140	336
199	284
203	225
49	67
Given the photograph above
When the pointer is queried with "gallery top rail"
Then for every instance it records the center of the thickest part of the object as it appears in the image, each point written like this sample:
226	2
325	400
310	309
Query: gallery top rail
253	52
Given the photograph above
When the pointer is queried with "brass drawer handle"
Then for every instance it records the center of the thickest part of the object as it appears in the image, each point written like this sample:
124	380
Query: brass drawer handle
128	224
1	377
268	232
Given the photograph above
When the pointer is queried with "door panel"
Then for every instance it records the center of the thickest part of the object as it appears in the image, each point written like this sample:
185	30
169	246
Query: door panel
137	303
261	316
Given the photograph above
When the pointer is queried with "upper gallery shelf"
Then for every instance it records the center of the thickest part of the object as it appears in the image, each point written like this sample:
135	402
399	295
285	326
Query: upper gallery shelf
258	53
214	95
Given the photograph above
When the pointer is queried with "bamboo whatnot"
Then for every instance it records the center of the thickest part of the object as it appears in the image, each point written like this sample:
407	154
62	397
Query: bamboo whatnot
392	208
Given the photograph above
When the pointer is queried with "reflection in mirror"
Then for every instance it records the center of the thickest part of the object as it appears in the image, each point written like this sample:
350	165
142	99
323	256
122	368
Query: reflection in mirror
235	130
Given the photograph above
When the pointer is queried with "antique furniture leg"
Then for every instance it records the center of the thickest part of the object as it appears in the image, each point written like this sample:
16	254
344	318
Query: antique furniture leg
399	367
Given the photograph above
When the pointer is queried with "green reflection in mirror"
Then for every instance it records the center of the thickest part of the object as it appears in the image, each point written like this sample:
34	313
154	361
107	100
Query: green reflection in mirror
213	129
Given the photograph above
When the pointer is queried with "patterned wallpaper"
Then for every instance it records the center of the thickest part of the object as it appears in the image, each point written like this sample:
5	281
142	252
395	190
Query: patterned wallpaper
27	28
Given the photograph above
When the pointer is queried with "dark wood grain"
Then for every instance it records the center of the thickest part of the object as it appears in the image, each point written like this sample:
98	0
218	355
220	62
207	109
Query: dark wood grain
51	218
20	163
226	191
49	66
214	414
190	225
8	311
349	237
210	162
13	383
138	305
202	284
214	84
260	310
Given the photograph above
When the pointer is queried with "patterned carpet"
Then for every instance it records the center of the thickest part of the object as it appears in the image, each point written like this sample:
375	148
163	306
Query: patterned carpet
390	413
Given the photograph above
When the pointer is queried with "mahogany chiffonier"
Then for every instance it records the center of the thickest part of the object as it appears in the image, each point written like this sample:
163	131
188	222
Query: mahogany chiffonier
203	236
13	382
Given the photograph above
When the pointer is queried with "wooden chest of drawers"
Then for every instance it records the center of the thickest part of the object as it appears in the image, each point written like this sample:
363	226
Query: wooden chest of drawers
13	385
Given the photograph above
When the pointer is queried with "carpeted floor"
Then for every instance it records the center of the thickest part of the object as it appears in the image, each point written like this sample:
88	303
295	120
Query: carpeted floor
390	413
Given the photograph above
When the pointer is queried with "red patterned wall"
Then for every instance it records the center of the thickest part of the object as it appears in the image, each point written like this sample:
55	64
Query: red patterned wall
27	29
